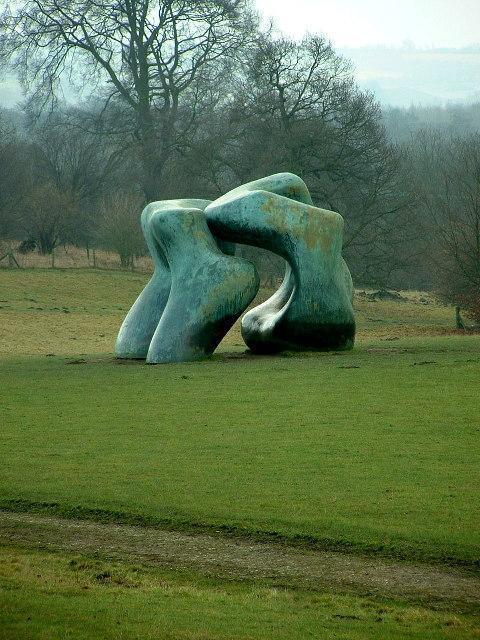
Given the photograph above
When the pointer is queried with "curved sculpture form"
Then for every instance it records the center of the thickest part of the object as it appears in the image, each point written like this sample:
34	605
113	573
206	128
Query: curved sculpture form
313	307
290	186
196	317
137	330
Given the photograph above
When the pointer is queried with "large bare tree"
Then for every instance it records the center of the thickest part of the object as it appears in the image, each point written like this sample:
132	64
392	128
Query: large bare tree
297	108
147	54
332	134
446	176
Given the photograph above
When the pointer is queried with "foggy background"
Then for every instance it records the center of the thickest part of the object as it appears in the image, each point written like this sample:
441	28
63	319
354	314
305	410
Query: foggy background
422	52
392	143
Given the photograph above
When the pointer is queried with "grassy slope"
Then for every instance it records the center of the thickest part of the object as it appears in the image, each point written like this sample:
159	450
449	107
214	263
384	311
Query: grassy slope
46	595
74	311
383	456
63	311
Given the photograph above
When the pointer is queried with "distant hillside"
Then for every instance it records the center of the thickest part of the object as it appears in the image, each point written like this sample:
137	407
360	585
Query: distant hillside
398	77
402	77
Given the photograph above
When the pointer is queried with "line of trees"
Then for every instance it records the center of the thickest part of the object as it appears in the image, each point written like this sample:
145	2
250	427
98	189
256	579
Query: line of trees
445	177
189	98
440	153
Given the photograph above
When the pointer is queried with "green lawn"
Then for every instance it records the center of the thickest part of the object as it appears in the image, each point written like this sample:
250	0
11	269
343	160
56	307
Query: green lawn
72	311
375	449
46	596
371	451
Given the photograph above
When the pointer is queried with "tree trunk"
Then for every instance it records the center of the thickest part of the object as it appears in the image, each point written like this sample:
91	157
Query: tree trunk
155	150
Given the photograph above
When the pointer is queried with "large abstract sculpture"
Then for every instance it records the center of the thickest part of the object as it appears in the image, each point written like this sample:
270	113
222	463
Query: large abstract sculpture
197	291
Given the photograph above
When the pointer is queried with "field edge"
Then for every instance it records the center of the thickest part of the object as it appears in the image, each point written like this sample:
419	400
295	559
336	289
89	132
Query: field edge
397	552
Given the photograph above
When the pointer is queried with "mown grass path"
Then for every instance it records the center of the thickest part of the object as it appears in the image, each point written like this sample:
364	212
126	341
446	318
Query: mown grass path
64	594
237	559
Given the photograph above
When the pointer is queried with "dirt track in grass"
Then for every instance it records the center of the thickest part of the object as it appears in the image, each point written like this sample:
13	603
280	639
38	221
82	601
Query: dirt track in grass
242	559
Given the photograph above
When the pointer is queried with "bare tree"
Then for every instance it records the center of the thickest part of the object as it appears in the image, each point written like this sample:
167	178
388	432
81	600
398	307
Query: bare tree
147	54
68	155
297	108
446	171
45	214
119	228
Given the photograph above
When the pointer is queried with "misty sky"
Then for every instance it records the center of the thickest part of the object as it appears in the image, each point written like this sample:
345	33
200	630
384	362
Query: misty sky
356	23
397	77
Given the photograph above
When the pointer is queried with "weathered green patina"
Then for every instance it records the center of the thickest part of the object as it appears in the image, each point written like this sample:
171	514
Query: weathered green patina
313	307
197	291
209	289
137	330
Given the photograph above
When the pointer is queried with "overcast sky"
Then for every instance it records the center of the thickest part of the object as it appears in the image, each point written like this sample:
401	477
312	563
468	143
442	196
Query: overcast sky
356	23
396	77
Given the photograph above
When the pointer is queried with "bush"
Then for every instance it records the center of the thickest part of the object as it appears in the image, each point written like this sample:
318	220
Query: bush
120	230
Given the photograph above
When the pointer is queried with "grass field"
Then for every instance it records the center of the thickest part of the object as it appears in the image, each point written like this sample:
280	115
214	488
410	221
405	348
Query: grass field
373	451
73	311
379	457
89	598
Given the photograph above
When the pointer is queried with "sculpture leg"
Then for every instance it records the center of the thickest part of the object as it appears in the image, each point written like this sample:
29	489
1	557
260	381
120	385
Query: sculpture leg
209	289
259	323
137	329
313	308
136	332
